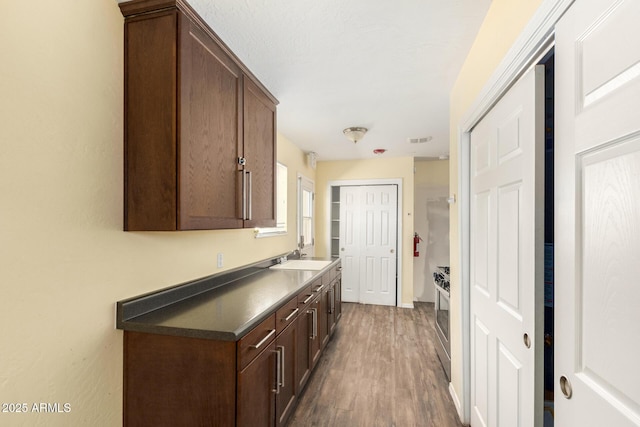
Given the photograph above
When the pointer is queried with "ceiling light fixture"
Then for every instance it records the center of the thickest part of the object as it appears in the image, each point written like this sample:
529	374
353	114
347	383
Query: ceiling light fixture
354	134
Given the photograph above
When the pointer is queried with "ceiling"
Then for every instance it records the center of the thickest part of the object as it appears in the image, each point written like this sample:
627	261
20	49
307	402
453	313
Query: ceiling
387	66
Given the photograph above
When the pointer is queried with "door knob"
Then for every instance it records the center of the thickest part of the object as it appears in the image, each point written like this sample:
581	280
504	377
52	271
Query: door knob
393	251
565	387
342	249
527	340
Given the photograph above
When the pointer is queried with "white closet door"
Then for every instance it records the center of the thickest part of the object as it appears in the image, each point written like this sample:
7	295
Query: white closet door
597	198
378	244
350	242
507	233
368	243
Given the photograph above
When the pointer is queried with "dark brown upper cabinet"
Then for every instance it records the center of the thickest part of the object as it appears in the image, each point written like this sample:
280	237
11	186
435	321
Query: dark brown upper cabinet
200	129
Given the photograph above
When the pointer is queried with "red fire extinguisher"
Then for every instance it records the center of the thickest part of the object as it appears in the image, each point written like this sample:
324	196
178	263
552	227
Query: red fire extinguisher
416	240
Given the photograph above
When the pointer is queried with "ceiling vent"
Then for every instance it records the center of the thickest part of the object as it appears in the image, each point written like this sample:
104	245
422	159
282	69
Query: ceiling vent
420	140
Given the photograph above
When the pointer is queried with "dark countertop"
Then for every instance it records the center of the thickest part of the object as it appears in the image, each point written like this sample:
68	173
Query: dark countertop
222	311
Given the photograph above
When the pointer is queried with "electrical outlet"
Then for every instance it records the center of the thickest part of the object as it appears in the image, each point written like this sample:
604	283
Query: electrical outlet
220	260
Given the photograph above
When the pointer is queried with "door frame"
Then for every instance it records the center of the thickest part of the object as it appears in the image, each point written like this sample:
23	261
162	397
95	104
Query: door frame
399	251
300	181
535	40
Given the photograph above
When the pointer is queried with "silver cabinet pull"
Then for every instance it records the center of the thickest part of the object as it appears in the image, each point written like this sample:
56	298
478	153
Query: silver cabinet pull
331	304
318	289
264	340
315	323
289	317
565	387
278	370
333	300
310	311
281	348
244	195
249	197
308	299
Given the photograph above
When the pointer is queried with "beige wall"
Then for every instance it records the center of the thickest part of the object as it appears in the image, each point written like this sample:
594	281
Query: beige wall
504	22
64	259
430	195
385	168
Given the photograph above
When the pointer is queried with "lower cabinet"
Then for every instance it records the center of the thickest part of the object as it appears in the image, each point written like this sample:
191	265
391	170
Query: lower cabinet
304	334
256	381
256	385
286	391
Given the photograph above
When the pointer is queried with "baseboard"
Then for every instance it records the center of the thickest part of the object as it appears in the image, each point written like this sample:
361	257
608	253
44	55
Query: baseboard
456	402
407	305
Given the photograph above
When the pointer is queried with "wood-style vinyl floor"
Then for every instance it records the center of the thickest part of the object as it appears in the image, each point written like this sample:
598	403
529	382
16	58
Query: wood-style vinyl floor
380	369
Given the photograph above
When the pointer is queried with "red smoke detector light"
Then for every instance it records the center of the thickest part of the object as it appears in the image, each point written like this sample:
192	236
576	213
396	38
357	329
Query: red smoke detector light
379	151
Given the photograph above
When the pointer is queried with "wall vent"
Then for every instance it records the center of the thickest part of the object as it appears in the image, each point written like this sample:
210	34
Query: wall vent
420	140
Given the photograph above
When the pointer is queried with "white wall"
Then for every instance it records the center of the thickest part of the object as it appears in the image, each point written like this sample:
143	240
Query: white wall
64	259
431	222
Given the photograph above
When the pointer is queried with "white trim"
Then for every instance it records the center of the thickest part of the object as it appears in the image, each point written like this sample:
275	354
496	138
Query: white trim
407	305
536	36
299	180
361	182
456	400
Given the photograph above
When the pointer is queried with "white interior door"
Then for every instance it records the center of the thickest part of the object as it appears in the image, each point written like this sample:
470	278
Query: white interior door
368	243
507	238
597	198
378	244
350	242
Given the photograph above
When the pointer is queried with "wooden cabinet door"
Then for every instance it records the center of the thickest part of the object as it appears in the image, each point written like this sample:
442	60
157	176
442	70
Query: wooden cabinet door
287	395
260	154
210	133
256	396
303	348
331	308
315	347
323	318
338	298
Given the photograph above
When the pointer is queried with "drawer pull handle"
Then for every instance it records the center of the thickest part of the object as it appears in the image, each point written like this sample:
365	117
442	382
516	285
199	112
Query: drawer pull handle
289	317
309	298
264	340
318	289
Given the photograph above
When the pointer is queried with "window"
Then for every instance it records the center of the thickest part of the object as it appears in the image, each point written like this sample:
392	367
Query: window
281	205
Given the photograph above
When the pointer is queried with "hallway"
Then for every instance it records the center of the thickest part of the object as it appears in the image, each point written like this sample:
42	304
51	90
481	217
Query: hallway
380	369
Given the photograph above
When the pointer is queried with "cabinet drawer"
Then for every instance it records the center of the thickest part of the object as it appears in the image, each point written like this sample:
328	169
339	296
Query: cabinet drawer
304	298
255	341
287	315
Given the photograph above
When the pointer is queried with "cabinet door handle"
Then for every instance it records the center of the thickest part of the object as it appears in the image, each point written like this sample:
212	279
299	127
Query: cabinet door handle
333	300
244	195
278	368
318	289
331	297
264	340
281	348
315	322
308	299
249	197
289	317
